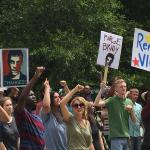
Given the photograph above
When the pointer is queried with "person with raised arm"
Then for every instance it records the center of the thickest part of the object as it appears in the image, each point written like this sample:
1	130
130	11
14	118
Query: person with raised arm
64	84
55	128
119	109
4	117
9	134
78	127
6	120
29	125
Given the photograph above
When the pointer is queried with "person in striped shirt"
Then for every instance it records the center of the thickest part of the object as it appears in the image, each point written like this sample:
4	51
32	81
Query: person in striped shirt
29	125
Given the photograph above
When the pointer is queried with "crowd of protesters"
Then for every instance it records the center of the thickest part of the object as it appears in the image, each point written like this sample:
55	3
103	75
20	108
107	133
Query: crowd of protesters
72	119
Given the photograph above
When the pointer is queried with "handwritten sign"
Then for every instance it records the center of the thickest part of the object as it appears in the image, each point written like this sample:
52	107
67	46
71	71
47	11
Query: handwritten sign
109	50
141	50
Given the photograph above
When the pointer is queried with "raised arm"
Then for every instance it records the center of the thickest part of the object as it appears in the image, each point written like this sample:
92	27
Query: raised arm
25	93
4	117
66	99
46	99
63	83
98	100
2	146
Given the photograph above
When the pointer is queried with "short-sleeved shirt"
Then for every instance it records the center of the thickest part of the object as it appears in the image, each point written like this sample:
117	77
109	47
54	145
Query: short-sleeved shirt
118	116
55	132
9	135
79	138
31	130
135	127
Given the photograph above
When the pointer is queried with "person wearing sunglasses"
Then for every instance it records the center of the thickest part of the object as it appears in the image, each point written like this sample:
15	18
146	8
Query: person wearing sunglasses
78	127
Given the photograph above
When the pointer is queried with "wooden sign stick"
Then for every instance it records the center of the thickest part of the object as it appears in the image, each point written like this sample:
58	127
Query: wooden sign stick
105	74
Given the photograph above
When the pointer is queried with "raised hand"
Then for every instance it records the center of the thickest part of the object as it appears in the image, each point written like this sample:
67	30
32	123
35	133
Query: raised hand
63	83
39	71
79	88
46	84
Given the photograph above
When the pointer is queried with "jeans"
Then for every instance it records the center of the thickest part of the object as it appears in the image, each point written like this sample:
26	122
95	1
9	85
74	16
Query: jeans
119	144
135	143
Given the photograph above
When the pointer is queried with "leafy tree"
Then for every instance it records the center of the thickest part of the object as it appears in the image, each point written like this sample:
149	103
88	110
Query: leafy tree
64	36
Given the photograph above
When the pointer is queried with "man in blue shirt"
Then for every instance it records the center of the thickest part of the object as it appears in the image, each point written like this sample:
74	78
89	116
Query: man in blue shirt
135	127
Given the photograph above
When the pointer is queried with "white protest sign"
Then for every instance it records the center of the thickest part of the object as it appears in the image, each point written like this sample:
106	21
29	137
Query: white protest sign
141	50
109	50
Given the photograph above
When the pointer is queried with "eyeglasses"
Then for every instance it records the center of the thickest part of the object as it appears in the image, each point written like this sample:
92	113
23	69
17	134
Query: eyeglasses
81	105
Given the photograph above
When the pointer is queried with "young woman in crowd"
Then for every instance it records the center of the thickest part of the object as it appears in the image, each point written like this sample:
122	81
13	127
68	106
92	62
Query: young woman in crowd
8	130
55	129
78	127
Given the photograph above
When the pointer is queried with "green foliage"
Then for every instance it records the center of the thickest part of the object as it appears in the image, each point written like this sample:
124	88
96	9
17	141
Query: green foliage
63	36
64	57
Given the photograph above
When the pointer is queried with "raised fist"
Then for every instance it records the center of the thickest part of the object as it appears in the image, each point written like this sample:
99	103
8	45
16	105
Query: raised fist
129	108
79	87
39	71
63	83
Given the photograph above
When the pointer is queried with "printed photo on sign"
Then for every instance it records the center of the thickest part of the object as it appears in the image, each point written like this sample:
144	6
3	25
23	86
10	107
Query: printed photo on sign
109	50
15	67
141	50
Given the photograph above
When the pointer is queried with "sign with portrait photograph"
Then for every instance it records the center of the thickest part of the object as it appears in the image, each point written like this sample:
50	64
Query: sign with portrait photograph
141	50
109	50
14	67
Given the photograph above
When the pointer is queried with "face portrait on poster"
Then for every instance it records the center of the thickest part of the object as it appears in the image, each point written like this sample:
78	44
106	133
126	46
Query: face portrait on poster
15	67
109	50
141	50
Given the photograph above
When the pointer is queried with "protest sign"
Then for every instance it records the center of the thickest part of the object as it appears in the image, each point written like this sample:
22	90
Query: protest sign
141	50
14	67
109	50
